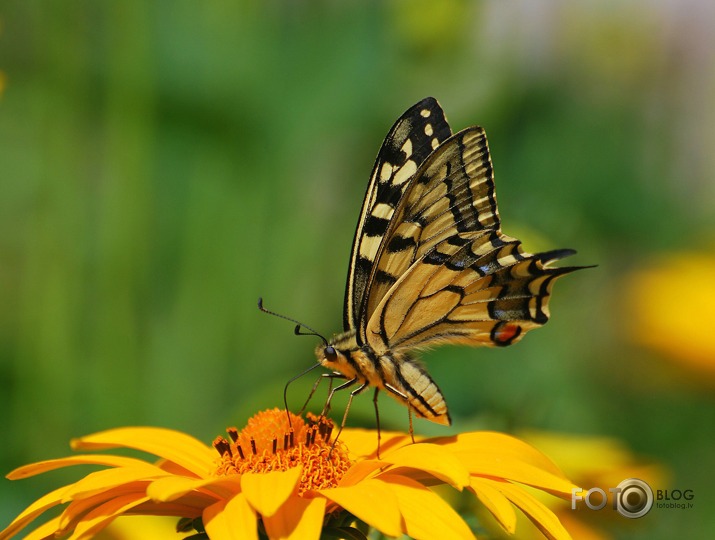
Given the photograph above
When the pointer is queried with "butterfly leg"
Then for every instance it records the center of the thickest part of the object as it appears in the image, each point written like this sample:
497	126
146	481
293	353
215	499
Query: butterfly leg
409	415
403	397
347	384
329	376
310	395
377	419
354	393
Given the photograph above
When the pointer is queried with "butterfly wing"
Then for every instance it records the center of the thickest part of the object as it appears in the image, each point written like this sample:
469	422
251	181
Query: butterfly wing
448	274
452	192
410	141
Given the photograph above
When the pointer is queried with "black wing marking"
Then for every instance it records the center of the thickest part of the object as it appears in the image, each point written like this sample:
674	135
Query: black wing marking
411	140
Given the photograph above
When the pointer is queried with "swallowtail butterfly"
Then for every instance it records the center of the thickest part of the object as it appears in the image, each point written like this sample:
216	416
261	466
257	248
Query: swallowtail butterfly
430	265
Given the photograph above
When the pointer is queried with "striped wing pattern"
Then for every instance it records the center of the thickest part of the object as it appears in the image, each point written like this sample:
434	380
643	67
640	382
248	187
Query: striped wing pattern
411	140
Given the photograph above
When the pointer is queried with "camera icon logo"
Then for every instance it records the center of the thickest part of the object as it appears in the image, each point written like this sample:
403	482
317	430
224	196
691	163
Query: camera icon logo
633	498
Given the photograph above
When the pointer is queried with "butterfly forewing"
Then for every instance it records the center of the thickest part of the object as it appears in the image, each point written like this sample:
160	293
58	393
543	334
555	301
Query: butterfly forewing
411	140
452	192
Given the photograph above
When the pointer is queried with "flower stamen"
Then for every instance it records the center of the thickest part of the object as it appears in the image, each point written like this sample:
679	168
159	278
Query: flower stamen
222	446
324	463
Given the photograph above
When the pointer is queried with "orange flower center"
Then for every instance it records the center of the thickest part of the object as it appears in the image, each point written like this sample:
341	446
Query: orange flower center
269	443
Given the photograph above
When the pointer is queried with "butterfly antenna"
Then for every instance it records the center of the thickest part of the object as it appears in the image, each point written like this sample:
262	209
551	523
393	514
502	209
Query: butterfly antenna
297	333
298	323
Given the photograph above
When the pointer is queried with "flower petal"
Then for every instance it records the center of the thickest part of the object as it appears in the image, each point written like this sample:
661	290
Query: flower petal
77	509
544	519
110	479
498	445
44	531
31	512
371	501
232	519
525	474
495	502
40	467
175	446
266	492
362	443
171	488
425	514
360	471
502	456
103	515
141	527
436	460
190	506
216	522
299	518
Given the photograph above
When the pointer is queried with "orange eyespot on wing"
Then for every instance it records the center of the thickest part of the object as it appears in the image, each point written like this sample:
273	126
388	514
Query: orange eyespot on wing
504	333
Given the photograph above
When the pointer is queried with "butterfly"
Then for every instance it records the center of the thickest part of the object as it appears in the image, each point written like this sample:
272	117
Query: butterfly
430	265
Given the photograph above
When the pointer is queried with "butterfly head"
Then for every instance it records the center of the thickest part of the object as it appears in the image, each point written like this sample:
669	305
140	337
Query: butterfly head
330	357
339	354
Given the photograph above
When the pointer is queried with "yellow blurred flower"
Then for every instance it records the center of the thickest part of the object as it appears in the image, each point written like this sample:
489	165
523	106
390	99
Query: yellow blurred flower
670	308
292	482
591	461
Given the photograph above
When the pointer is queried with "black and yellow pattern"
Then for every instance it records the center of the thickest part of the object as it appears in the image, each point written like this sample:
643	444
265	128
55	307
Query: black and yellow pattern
430	265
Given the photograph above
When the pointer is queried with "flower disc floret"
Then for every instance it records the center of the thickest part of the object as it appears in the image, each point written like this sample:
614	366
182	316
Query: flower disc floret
270	442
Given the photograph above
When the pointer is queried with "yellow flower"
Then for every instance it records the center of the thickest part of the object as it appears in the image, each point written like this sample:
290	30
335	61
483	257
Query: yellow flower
280	482
669	305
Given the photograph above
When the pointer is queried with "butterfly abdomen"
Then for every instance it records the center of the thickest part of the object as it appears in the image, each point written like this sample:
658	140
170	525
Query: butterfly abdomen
409	383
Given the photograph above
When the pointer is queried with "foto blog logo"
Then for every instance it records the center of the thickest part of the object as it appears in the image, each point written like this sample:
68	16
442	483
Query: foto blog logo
632	498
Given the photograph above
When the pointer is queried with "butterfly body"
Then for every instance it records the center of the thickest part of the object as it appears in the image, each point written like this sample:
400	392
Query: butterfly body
430	264
393	371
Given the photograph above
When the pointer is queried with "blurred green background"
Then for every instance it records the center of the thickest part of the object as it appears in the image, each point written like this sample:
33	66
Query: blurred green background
164	164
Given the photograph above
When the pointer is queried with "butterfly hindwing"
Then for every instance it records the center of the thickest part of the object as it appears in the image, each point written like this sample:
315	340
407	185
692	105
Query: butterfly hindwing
472	289
410	141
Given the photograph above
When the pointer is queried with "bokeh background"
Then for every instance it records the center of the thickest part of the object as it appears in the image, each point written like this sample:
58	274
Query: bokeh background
164	164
